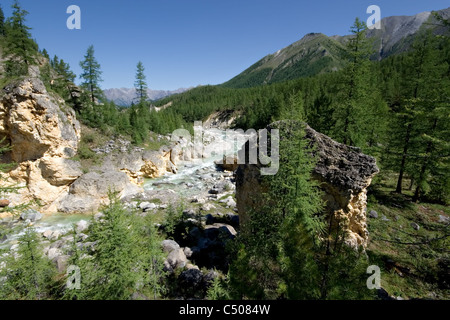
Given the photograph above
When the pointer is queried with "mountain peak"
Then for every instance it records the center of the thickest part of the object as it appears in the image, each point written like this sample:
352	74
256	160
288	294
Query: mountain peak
126	96
317	53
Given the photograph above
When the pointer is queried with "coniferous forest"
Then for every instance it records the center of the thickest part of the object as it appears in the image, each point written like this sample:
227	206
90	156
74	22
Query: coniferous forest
395	109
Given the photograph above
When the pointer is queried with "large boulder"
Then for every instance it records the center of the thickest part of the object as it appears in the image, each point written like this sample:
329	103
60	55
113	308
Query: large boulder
344	174
91	190
37	123
43	133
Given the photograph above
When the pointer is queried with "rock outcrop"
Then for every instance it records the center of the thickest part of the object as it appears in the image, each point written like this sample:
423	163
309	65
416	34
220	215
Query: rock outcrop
43	133
344	174
89	192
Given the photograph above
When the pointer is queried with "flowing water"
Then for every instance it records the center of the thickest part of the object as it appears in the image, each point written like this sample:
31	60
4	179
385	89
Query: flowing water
189	181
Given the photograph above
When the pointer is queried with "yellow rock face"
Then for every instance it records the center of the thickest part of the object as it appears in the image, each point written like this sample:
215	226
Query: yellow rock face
43	133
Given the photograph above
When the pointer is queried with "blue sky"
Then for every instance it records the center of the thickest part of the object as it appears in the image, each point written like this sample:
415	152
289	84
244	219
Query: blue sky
185	43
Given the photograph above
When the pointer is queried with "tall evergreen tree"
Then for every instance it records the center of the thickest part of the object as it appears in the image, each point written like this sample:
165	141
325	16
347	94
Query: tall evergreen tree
419	118
113	271
274	257
2	22
349	112
27	274
141	84
45	54
20	50
91	76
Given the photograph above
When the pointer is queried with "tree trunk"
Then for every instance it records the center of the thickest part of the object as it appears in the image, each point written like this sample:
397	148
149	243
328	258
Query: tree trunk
424	166
403	164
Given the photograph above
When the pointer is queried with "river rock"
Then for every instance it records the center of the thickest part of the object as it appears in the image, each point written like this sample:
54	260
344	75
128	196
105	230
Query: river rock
4	203
229	202
53	253
31	215
145	206
61	263
82	226
444	219
373	214
170	245
177	259
91	190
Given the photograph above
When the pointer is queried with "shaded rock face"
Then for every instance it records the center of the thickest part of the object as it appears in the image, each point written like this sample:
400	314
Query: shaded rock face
44	134
344	174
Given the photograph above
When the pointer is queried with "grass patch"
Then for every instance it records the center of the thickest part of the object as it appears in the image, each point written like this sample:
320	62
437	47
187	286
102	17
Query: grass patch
414	263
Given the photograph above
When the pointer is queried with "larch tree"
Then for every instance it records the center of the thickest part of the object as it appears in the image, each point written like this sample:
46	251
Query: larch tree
27	274
2	22
19	50
354	88
141	84
91	75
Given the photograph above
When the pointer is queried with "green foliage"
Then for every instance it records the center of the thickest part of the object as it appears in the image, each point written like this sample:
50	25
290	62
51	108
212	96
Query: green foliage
419	118
91	76
317	55
140	84
351	104
218	289
127	257
274	255
27	274
19	49
2	22
173	216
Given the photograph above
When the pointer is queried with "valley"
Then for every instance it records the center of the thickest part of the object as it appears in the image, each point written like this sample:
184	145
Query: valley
290	181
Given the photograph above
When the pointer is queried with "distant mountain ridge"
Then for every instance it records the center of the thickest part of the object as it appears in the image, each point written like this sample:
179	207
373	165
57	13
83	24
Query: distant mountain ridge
126	96
317	53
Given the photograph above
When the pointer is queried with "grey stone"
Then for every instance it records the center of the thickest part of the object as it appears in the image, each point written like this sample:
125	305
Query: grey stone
82	226
444	219
146	206
61	263
373	214
415	226
177	259
188	252
169	245
31	214
53	253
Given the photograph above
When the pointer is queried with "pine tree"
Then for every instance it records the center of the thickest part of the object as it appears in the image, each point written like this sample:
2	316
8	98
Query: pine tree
274	256
45	54
141	84
28	275
152	258
20	50
2	22
433	113
349	112
91	76
419	118
113	271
